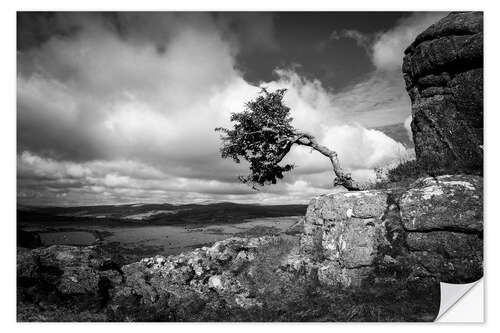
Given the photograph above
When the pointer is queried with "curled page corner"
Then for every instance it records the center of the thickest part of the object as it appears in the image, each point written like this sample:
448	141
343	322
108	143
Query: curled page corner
451	295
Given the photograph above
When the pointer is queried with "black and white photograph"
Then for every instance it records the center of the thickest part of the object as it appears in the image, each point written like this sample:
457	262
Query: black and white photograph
246	166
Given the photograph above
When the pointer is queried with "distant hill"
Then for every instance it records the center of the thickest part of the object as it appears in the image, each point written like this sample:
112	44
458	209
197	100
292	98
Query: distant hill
153	214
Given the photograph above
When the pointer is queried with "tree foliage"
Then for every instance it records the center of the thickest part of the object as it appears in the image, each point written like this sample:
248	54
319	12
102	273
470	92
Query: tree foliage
263	135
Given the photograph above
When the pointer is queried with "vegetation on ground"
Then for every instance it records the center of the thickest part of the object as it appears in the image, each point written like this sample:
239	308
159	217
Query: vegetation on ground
298	296
408	171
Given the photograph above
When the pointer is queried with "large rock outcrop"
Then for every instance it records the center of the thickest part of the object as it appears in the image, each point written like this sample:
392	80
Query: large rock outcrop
443	71
433	230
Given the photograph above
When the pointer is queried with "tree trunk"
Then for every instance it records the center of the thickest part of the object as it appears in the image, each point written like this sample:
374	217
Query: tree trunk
341	177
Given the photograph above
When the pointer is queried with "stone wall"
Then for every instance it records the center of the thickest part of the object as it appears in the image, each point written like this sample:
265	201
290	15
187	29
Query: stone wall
59	281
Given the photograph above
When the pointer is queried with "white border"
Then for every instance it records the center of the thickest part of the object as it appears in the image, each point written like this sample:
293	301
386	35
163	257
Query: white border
8	164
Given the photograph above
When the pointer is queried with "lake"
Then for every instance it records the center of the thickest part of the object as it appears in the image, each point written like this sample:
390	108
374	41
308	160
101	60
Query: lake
165	239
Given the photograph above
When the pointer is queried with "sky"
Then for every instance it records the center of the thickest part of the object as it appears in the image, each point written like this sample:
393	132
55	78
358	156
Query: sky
117	108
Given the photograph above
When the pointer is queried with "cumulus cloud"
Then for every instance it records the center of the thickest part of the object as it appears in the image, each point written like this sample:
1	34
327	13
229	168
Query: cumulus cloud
124	110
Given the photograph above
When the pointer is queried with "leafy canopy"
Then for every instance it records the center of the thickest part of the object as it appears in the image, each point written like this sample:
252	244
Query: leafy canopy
262	135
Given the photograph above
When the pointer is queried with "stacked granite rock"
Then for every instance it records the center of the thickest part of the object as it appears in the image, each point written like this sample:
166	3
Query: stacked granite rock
443	71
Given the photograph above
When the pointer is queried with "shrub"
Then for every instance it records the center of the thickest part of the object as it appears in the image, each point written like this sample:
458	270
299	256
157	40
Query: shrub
404	171
411	170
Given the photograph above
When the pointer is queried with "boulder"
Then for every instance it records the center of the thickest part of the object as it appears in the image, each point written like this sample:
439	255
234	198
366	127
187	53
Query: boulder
443	71
443	218
344	232
432	230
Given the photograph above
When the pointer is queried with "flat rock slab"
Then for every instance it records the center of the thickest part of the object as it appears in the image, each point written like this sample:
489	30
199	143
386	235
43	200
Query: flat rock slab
453	202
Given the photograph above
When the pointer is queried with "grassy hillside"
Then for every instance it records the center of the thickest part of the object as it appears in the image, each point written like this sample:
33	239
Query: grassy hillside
154	214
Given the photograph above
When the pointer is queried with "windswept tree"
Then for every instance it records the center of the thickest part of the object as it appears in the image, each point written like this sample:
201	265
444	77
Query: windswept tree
263	135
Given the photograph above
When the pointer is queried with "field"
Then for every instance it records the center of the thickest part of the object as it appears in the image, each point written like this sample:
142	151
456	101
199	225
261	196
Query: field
131	232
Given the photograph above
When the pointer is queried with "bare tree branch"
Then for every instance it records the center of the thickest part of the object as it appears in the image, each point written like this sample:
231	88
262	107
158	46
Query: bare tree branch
342	177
